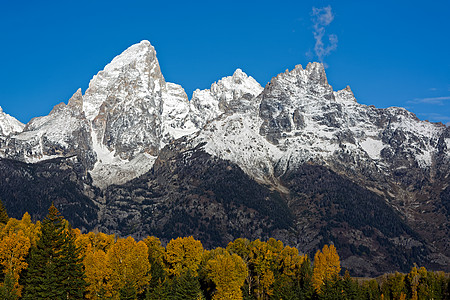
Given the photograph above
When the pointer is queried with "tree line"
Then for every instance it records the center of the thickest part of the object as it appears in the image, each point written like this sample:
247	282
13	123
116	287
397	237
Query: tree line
51	260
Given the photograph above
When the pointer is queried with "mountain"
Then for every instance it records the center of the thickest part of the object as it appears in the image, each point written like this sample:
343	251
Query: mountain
294	160
9	124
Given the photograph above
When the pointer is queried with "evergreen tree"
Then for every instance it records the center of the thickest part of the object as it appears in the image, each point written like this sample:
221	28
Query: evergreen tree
305	289
7	290
128	292
371	290
55	270
3	214
284	288
72	269
160	291
157	286
332	289
186	287
350	287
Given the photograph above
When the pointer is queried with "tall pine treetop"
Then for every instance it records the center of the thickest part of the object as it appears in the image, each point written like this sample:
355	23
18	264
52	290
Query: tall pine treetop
55	269
3	214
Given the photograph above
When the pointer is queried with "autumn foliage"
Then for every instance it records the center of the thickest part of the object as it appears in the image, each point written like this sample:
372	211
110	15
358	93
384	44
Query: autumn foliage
110	267
326	266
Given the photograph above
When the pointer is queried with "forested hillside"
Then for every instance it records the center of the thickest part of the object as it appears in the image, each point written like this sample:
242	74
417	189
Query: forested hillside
50	260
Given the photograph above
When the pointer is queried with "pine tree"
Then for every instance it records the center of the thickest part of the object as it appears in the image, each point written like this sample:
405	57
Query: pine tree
128	292
186	287
305	289
332	289
7	289
72	269
55	270
350	287
284	288
160	291
3	214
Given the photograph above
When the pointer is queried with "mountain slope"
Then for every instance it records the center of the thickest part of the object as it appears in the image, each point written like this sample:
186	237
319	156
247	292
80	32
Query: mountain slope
294	160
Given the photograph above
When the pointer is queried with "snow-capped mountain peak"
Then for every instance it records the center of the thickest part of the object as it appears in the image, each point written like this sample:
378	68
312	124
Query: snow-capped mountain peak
135	72
9	124
231	94
129	113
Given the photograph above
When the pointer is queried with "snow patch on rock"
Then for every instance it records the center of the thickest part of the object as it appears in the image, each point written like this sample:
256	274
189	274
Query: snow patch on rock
372	147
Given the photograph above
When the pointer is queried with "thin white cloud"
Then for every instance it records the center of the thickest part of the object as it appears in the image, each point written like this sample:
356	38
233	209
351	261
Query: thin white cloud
431	100
321	18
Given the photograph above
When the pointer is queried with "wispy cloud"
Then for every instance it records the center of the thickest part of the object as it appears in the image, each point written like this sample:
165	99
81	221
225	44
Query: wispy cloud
431	100
321	18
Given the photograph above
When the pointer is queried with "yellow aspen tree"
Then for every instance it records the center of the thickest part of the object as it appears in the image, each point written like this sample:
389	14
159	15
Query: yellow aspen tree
16	238
262	259
98	274
276	246
228	272
413	278
423	289
14	247
155	249
241	247
25	225
129	263
326	266
97	241
183	254
11	226
30	229
289	261
102	241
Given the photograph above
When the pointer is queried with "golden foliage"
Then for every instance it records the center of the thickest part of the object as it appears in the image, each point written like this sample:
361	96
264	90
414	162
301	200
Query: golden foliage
267	269
413	278
183	254
16	238
262	257
290	261
228	272
110	266
155	249
97	273
326	266
25	225
95	241
129	264
13	250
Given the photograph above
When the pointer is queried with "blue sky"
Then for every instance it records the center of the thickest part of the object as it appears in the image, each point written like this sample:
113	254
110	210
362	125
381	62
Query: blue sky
391	53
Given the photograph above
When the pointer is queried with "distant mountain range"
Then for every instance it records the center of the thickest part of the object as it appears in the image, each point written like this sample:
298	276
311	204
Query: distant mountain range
294	160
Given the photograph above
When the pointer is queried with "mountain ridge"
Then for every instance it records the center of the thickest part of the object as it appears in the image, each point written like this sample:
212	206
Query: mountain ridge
138	149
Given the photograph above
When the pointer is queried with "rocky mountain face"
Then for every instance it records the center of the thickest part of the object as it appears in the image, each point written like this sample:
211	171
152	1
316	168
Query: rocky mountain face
9	124
295	160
